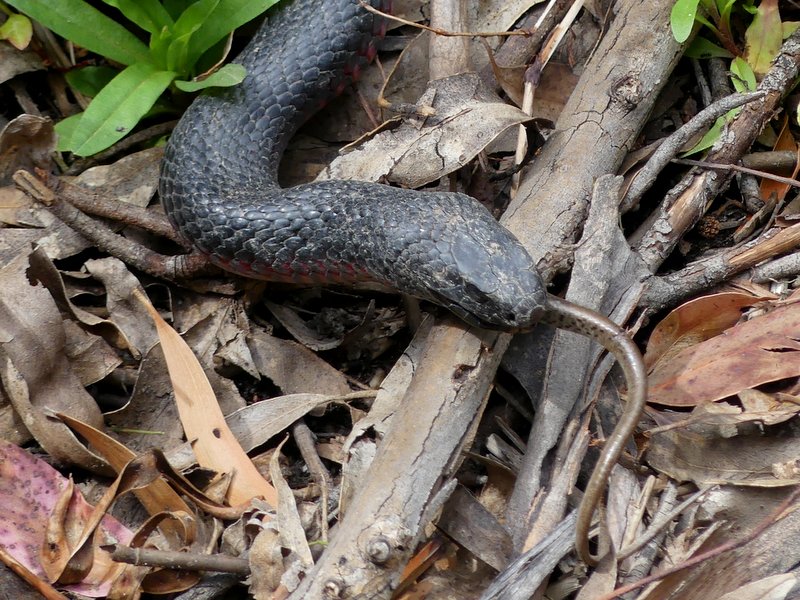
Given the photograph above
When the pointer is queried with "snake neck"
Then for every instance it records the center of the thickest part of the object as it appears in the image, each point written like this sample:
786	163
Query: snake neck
236	136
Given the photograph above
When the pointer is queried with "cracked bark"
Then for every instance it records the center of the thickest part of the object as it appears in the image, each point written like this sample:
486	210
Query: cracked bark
595	131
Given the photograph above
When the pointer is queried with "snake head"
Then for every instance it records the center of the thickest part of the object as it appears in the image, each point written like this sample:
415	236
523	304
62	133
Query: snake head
491	283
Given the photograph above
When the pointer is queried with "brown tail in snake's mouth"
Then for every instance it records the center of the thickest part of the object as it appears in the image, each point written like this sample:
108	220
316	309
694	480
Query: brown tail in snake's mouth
219	188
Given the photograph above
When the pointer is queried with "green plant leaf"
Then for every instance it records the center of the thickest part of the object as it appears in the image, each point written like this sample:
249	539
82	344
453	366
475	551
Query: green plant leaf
86	26
750	7
190	21
118	108
227	16
176	7
708	140
150	15
681	19
743	78
228	75
159	45
65	128
704	21
90	80
712	135
704	48
725	13
18	30
763	37
789	27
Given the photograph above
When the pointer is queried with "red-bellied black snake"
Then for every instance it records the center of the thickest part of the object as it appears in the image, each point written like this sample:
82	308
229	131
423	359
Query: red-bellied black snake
219	188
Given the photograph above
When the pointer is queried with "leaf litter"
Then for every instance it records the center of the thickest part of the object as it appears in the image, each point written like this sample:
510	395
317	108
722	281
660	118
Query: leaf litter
85	322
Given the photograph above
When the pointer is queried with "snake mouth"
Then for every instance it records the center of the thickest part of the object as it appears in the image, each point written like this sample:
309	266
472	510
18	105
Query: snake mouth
505	323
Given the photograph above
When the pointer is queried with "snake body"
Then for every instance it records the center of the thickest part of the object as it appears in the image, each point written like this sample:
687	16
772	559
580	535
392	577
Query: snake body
219	188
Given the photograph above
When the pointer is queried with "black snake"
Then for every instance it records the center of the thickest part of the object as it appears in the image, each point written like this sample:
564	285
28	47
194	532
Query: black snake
219	188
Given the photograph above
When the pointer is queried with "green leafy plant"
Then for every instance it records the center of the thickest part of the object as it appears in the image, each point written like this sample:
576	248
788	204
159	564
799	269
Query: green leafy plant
17	30
763	38
182	33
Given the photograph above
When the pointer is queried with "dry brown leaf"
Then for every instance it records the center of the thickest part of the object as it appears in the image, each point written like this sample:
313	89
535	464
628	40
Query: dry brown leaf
150	418
293	537
785	142
469	117
26	142
266	562
124	311
775	587
132	179
294	368
72	539
34	370
300	331
768	409
762	350
213	443
156	497
704	458
90	356
43	269
695	321
258	422
15	210
721	418
221	333
13	62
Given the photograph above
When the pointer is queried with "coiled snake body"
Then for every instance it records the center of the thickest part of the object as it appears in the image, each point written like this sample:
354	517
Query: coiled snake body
219	188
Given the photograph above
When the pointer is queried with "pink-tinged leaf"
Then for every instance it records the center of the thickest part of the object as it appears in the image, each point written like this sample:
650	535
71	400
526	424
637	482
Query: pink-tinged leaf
30	491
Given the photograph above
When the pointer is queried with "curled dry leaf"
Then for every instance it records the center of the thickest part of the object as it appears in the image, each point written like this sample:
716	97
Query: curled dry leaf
125	312
13	62
220	334
26	142
156	497
46	272
468	117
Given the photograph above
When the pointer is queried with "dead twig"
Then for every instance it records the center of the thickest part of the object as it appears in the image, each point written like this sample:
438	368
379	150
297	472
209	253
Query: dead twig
443	32
171	268
714	552
220	563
